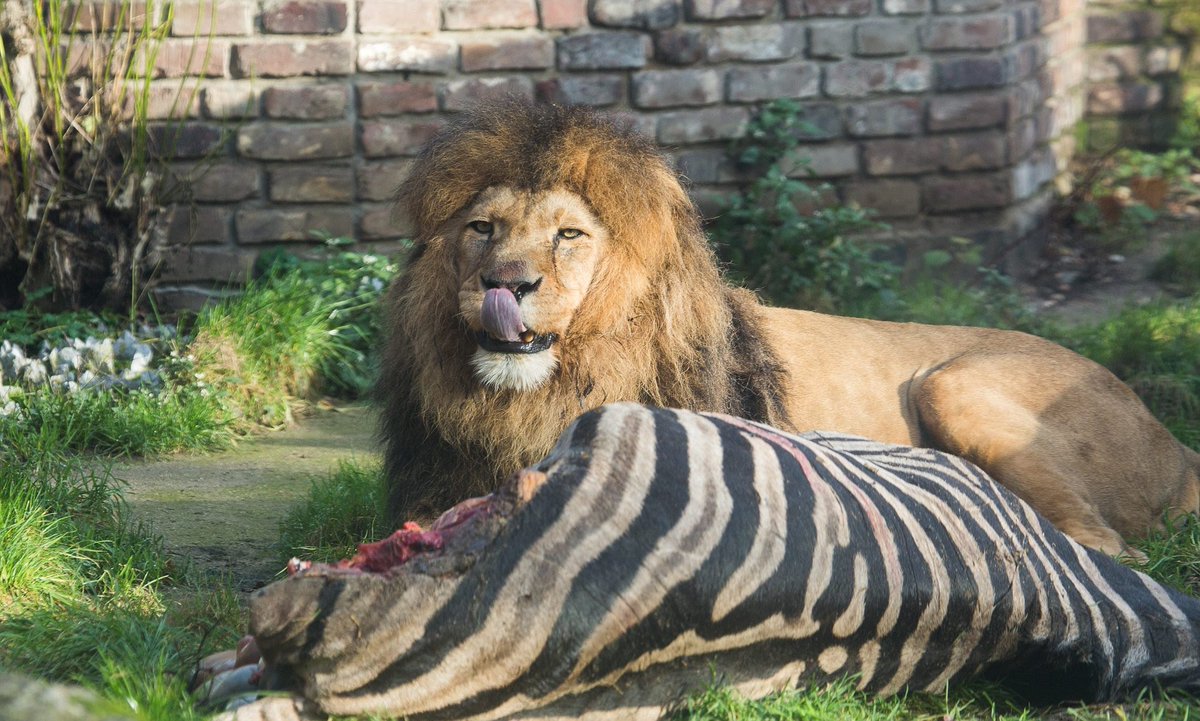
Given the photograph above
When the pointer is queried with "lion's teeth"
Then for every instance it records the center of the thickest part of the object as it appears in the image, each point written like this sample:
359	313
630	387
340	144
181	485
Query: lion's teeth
527	336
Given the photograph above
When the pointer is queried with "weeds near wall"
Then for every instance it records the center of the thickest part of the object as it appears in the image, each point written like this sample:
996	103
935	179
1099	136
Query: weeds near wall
80	194
780	235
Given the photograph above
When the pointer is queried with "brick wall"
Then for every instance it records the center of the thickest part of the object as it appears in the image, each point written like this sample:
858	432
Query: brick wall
1134	59
948	117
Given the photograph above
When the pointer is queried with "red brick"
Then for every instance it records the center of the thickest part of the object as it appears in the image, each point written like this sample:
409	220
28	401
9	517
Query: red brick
857	78
641	14
464	94
602	51
911	74
1022	138
971	72
166	102
831	7
380	179
399	16
1163	59
888	198
1114	63
507	52
412	54
968	33
213	17
884	37
398	98
563	14
389	138
979	151
594	90
305	17
177	58
698	126
1026	59
225	102
1118	98
707	165
306	102
724	9
1124	27
198	224
309	183
966	192
756	83
961	112
680	46
673	88
186	140
289	224
902	157
475	15
1032	174
285	141
763	41
819	121
102	16
831	39
828	160
905	7
967	6
223	265
289	59
640	123
885	118
383	222
224	181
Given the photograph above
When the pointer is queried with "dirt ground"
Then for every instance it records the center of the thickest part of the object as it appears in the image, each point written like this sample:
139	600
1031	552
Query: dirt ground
221	511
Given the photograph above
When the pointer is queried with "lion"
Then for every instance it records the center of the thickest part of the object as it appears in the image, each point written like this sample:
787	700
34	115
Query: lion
559	264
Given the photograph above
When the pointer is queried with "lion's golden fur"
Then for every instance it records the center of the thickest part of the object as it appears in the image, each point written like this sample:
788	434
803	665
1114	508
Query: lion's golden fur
655	326
658	324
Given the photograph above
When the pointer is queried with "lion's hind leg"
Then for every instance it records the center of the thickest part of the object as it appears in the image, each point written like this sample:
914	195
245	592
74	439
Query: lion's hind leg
988	409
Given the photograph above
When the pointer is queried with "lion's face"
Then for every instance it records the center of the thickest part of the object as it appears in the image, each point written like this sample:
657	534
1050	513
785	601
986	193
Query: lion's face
525	261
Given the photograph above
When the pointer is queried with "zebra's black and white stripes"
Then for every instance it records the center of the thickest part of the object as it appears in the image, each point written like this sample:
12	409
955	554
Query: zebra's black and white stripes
665	546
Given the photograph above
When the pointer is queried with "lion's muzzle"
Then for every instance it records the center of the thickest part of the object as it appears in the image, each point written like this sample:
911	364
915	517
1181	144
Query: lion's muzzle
503	329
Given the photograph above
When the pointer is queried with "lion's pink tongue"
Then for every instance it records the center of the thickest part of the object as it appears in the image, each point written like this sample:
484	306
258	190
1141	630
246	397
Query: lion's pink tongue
501	316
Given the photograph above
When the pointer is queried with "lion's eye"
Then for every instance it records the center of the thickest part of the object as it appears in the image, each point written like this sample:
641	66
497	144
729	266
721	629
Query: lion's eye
569	233
480	226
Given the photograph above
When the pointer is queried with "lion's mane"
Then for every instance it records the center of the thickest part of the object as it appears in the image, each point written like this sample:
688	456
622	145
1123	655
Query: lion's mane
658	323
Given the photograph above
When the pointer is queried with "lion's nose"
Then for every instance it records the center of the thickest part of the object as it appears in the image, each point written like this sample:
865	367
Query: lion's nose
519	287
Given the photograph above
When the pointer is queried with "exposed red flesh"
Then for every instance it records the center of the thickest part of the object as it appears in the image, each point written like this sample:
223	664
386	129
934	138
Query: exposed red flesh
407	543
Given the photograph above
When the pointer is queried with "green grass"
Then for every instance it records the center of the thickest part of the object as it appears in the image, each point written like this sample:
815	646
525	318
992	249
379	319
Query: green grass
1156	350
839	701
989	302
1180	266
123	423
84	590
339	513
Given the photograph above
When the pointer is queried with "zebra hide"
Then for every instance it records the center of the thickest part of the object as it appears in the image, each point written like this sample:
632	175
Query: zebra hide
657	551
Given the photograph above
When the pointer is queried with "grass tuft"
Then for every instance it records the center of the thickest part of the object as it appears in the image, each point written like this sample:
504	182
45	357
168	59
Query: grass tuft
1156	350
340	512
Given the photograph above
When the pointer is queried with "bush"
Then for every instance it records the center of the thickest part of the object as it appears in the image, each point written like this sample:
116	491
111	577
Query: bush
780	237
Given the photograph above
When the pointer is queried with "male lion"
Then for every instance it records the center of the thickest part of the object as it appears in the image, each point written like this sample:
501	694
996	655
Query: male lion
559	265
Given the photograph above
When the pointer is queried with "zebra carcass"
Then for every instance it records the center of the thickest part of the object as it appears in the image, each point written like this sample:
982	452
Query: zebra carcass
655	551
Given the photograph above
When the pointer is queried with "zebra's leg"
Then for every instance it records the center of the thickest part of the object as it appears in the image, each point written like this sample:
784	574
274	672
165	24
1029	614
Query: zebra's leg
1054	460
